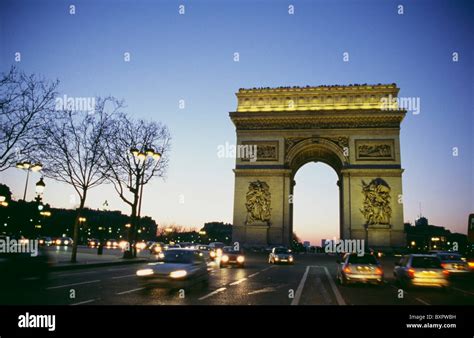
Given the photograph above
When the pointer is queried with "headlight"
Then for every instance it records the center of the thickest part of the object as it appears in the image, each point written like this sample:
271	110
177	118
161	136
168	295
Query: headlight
145	272
225	258
58	242
178	274
41	241
290	258
276	258
66	242
157	248
212	254
240	259
161	255
109	243
219	252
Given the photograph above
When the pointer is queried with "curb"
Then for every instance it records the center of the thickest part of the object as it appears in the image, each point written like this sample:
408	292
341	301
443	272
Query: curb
76	266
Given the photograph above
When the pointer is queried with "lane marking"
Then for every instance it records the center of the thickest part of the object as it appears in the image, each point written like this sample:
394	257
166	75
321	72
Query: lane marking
212	293
118	277
73	284
324	291
76	274
239	281
422	301
265	290
119	269
84	302
254	274
299	290
463	291
129	291
334	288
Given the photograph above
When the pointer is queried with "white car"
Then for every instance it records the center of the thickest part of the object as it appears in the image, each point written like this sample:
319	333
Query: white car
280	255
178	269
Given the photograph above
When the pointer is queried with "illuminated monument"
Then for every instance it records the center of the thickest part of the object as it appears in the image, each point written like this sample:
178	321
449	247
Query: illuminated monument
354	129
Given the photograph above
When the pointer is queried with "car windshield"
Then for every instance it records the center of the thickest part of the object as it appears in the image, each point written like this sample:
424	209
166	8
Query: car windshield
178	256
366	259
450	257
282	251
425	262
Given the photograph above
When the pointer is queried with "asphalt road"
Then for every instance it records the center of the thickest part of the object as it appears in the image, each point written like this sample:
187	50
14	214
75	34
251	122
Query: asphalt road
310	281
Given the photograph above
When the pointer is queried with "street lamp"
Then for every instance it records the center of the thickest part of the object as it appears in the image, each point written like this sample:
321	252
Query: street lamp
141	156
40	185
28	166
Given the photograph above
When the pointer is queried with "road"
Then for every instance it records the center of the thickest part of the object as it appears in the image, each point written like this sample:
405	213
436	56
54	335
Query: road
310	281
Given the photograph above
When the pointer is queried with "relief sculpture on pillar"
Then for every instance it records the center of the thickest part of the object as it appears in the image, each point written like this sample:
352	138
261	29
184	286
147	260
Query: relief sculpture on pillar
376	206
258	202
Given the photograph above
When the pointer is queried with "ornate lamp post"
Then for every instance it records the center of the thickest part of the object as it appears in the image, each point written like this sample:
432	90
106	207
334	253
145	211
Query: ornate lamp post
28	166
141	156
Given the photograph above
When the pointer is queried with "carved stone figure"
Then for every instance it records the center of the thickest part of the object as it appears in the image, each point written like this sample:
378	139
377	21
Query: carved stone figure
376	206
258	203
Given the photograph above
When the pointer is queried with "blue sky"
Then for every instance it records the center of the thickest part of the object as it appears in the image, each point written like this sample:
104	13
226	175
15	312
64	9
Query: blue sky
190	57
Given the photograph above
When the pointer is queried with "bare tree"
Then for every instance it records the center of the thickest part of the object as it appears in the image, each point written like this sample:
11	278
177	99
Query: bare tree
136	153
73	151
24	102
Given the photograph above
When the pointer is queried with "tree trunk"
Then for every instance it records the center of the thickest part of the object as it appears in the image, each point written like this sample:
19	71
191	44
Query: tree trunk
75	237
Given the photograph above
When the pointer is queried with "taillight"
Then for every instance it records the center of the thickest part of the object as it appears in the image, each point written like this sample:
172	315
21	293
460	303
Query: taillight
347	269
446	272
378	271
444	265
411	273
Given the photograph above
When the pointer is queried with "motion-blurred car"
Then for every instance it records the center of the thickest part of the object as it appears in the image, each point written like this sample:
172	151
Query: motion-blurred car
215	250
63	241
93	242
359	269
421	270
453	262
111	244
230	256
280	255
45	241
172	246
156	248
140	245
179	268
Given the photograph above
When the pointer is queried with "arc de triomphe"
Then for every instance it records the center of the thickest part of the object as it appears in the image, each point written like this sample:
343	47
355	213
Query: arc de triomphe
355	129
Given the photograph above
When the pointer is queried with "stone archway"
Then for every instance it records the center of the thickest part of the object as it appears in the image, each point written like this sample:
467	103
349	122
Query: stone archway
350	128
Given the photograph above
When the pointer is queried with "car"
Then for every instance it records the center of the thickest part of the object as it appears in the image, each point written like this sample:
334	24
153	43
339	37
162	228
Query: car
172	246
93	242
111	244
421	270
179	269
230	256
45	241
453	262
280	255
140	245
156	248
355	268
63	241
215	250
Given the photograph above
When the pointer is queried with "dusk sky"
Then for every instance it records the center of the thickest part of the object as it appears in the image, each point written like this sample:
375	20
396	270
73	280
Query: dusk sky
191	57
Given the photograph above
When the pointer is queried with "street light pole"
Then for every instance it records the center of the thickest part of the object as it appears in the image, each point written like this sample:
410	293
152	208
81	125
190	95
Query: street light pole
26	165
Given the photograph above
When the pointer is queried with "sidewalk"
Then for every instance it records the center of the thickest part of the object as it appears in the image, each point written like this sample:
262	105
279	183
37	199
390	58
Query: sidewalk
61	259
